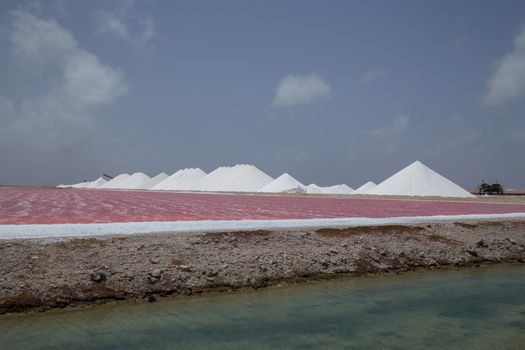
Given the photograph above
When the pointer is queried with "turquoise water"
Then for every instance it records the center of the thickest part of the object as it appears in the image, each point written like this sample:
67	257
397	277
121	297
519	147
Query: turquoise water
468	309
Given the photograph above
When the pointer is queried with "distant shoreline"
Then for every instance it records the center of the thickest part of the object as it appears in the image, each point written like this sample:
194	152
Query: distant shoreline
68	273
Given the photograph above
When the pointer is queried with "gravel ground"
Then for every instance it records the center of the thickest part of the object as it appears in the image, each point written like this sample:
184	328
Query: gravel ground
43	274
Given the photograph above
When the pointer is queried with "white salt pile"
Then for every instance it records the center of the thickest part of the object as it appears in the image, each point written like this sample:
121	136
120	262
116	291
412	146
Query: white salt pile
338	189
418	180
313	189
154	181
114	182
239	178
365	188
137	181
284	184
97	183
182	180
84	184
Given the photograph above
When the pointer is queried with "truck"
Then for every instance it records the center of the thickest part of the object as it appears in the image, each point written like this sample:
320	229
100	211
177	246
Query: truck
490	189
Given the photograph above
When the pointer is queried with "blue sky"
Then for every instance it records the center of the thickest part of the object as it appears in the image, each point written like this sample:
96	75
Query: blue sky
329	91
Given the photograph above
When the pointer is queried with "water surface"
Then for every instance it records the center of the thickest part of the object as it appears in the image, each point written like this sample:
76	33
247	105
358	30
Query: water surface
467	309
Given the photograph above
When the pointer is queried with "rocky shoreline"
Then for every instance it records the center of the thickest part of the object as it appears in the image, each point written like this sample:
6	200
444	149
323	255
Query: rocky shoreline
41	275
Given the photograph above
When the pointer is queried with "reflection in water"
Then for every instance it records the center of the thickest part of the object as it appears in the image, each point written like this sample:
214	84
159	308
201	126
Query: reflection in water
470	309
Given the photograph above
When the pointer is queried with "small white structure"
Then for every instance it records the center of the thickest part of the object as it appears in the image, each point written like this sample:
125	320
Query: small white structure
419	180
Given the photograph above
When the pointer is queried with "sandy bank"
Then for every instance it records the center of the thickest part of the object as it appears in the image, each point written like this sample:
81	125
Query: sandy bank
39	274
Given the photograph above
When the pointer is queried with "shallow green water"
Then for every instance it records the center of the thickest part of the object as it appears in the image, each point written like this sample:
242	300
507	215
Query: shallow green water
469	309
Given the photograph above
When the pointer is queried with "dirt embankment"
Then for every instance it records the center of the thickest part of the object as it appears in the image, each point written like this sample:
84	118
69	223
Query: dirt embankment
40	275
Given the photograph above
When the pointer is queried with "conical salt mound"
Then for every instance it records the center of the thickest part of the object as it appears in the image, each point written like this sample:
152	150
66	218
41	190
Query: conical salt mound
97	183
114	182
155	180
84	184
182	180
313	189
284	184
338	189
418	180
239	178
137	181
365	188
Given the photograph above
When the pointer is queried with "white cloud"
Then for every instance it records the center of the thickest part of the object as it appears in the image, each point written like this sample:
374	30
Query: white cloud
62	111
294	90
125	22
508	79
109	22
383	141
395	129
372	75
38	40
88	83
461	41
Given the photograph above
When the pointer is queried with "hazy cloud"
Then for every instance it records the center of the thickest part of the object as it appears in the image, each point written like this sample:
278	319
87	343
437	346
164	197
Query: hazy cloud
518	134
62	112
382	141
398	126
125	22
34	39
508	79
461	41
295	90
372	75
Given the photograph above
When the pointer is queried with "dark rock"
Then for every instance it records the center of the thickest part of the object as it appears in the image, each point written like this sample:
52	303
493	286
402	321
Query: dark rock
511	241
341	270
374	258
98	277
152	280
184	268
60	302
482	243
151	298
211	273
472	252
